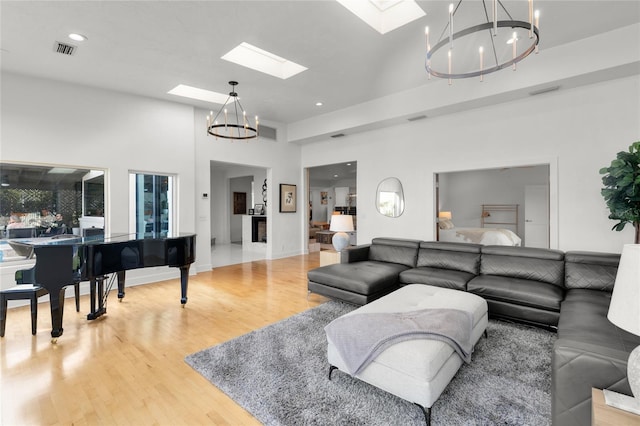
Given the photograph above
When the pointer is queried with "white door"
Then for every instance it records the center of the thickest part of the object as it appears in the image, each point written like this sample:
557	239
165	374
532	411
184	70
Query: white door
536	216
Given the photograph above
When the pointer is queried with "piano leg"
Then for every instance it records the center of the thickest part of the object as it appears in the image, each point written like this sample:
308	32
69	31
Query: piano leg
97	298
184	282
56	301
92	291
121	276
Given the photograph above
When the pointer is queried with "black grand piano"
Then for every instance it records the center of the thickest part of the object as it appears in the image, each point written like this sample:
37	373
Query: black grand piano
65	261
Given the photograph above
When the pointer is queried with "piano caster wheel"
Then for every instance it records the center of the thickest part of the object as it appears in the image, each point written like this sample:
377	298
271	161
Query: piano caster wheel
54	340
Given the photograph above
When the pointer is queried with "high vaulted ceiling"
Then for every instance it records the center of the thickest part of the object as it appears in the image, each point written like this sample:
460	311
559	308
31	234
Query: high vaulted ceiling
149	47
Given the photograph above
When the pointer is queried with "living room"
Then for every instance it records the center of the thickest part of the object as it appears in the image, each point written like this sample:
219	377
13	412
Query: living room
52	113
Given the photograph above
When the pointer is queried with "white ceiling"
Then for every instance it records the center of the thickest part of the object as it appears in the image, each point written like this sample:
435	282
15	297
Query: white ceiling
148	47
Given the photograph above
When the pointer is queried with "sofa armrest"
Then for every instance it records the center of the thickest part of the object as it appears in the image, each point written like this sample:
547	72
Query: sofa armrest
355	254
576	368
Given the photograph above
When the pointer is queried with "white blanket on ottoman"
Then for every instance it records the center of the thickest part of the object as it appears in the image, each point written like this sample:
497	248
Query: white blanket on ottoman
361	338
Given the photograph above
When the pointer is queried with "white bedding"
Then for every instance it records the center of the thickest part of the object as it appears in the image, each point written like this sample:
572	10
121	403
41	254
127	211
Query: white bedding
484	236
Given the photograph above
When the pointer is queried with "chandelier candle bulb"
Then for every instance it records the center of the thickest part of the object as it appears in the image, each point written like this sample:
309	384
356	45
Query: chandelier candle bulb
449	67
531	18
225	118
426	34
495	18
537	18
515	48
451	26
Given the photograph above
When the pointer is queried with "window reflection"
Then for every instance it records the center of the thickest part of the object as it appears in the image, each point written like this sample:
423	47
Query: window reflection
44	201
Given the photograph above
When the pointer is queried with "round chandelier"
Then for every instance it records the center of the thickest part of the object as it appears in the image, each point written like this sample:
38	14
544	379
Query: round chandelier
481	48
231	121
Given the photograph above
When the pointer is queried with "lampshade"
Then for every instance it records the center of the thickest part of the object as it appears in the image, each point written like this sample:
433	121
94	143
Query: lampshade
341	223
444	215
624	310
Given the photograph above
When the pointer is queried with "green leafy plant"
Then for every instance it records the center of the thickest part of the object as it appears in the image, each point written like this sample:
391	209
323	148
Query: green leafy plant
621	189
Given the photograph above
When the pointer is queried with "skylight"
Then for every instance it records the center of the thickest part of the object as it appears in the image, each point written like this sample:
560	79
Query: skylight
384	15
199	94
260	60
61	171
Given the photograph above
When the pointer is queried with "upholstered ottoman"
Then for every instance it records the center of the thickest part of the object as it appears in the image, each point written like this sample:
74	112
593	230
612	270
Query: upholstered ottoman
415	369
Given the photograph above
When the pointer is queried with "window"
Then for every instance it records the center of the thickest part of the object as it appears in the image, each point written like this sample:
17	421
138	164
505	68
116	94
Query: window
153	210
43	200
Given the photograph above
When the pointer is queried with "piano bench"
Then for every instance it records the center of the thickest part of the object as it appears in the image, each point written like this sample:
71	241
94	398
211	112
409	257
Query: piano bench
21	292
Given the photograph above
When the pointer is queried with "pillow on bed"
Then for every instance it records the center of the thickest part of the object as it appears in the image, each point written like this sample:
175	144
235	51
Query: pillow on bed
445	224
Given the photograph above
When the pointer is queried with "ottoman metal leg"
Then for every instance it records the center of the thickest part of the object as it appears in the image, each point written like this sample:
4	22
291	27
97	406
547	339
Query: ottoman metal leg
331	368
427	414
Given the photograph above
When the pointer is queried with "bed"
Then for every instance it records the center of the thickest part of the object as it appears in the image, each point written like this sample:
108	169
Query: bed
484	236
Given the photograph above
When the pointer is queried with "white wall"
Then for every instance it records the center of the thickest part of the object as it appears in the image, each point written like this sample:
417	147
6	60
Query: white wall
53	122
580	129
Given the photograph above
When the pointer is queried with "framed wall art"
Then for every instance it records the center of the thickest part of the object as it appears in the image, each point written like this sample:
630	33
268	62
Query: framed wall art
287	198
239	203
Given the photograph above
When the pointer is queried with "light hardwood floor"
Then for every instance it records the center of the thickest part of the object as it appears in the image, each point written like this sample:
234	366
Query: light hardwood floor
128	368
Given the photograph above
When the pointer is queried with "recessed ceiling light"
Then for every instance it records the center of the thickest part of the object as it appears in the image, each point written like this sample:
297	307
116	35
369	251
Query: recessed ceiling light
385	15
199	94
319	104
335	175
77	37
260	60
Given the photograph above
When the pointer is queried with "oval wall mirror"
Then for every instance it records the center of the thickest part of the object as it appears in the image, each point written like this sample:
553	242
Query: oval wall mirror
390	197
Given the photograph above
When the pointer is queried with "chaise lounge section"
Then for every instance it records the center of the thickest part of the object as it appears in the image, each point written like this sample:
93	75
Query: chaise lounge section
568	292
365	273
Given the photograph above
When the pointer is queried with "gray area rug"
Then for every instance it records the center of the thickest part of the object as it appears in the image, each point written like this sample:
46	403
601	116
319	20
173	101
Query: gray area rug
279	374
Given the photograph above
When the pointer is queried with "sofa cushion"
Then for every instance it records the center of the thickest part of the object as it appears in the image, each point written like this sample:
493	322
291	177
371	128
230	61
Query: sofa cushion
590	270
534	264
518	291
456	256
446	278
368	277
583	317
393	250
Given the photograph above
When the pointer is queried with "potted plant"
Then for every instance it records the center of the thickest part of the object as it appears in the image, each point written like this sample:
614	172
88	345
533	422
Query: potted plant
621	189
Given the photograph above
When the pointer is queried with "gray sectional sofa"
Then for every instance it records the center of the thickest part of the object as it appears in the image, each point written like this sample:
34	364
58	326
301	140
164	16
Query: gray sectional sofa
567	292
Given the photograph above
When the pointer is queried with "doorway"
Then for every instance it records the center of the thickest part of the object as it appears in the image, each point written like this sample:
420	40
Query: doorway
225	216
461	194
331	188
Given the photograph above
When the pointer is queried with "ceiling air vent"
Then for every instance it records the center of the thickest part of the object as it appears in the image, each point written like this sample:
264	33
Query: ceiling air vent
64	48
268	132
545	90
338	135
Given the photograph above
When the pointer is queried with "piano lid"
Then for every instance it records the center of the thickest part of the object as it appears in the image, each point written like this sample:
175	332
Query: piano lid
24	246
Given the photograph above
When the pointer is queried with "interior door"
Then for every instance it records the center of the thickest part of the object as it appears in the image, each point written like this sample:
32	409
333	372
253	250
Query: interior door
536	216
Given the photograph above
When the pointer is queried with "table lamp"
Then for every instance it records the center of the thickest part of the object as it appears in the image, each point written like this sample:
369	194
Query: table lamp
624	312
444	215
341	223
